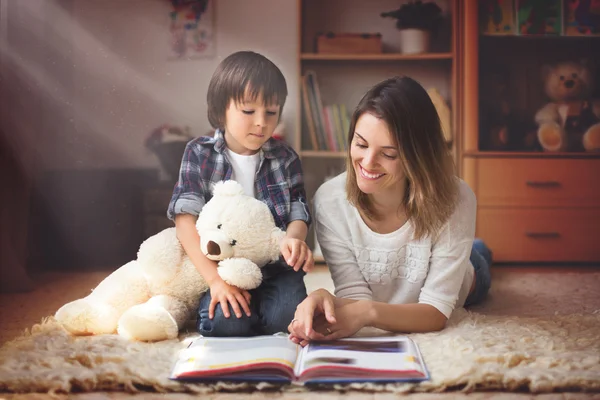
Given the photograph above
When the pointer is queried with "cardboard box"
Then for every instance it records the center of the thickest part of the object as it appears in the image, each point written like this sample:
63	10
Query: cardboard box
349	43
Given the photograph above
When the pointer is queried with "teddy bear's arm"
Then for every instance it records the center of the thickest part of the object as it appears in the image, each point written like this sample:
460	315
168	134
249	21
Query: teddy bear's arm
548	113
240	272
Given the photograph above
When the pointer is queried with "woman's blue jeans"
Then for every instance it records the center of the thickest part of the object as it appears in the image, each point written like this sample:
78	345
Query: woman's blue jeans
481	258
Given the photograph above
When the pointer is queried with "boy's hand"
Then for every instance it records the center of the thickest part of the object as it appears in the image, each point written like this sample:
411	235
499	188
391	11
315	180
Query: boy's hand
224	294
297	254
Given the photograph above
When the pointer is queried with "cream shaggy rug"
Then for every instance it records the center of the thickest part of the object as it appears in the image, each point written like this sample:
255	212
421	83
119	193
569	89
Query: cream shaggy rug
538	332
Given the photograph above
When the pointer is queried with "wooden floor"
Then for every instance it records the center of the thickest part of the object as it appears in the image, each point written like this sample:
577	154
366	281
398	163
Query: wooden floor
19	311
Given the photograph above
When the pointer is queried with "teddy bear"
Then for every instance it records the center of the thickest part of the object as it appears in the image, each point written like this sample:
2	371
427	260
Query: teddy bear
153	297
571	122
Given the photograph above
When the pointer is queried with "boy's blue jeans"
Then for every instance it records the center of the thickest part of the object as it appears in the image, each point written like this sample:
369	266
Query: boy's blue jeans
481	258
272	306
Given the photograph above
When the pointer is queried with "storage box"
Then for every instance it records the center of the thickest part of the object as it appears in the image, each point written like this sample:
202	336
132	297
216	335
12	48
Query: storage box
539	17
497	17
352	43
582	17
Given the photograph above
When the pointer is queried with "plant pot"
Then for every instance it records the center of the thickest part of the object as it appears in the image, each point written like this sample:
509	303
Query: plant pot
414	41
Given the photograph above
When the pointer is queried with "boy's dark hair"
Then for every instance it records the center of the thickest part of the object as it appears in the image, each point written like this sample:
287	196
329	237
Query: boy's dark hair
240	74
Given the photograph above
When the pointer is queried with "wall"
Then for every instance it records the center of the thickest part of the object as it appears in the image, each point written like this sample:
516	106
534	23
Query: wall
105	81
83	84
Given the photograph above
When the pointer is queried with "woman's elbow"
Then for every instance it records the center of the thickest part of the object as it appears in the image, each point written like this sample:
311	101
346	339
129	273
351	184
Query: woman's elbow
437	320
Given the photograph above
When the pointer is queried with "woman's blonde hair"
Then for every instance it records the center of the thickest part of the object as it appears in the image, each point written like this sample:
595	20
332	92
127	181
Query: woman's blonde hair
431	184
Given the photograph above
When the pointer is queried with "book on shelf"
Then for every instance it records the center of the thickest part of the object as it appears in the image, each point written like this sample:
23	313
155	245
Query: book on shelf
327	125
277	359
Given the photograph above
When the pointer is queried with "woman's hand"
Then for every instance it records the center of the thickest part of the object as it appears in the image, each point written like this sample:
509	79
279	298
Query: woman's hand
318	303
297	254
350	319
225	294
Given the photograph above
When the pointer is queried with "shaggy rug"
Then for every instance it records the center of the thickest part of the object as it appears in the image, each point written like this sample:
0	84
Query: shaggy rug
536	332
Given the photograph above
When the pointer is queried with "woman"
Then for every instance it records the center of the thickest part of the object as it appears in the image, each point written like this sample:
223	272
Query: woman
397	228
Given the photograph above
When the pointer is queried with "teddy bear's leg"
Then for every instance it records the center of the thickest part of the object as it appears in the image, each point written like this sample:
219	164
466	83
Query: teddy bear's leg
552	137
591	138
99	312
86	317
159	318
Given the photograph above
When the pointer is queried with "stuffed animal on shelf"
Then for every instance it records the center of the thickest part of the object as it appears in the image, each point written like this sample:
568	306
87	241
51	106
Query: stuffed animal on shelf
152	297
571	122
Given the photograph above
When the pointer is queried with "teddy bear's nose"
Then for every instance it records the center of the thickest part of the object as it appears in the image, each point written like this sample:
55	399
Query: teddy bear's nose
213	248
570	83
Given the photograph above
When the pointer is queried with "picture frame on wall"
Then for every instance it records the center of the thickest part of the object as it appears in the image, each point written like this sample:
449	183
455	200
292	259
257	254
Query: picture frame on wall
191	29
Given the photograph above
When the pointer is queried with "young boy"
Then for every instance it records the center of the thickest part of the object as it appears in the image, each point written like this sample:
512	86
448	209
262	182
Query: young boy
245	97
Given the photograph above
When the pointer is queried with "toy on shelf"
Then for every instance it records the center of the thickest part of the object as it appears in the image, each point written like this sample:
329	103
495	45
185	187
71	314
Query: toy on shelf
571	121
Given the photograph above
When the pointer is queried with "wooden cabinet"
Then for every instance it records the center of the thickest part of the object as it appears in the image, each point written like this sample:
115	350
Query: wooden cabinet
343	78
533	206
537	209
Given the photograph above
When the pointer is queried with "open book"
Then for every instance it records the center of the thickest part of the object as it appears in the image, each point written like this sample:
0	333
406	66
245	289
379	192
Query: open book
278	359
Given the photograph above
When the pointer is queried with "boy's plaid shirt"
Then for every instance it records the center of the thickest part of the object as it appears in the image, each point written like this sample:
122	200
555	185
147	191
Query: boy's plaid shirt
279	180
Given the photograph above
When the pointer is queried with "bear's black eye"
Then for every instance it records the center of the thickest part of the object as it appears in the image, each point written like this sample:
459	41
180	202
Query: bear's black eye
219	226
233	242
562	77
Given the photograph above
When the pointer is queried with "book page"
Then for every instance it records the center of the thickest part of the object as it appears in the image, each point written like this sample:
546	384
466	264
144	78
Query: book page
261	356
382	358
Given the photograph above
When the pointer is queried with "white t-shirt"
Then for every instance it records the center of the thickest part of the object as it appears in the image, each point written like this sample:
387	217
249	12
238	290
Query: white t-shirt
244	170
394	267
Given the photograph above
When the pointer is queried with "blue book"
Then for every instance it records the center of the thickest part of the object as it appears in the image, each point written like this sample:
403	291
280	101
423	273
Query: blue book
277	359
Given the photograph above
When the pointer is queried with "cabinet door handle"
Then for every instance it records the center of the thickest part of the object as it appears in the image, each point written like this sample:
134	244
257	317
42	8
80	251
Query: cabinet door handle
543	235
543	184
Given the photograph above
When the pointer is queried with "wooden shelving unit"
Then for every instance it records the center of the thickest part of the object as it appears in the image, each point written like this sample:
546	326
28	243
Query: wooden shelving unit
533	206
375	57
344	78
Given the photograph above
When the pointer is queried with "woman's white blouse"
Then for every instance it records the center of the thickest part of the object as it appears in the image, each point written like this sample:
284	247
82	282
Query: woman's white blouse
394	268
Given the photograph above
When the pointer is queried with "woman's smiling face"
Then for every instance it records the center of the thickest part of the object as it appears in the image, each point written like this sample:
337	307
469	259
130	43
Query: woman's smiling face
375	156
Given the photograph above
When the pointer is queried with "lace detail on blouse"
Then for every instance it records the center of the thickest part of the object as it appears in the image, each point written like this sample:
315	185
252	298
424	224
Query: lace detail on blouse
409	262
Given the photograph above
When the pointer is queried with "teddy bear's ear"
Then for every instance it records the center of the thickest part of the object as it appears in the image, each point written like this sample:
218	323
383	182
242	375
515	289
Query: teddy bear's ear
227	188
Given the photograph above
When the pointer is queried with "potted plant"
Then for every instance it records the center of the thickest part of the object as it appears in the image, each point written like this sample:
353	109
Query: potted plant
416	21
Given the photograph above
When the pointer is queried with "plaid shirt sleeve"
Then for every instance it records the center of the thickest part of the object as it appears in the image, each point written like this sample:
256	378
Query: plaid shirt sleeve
189	194
299	209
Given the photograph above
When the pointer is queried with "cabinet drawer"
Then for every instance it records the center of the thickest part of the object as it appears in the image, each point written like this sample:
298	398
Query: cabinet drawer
547	235
538	182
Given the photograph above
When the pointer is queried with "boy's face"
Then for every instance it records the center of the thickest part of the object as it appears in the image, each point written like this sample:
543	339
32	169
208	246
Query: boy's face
249	124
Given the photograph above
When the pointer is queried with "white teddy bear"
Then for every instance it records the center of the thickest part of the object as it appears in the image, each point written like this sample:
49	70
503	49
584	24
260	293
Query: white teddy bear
151	298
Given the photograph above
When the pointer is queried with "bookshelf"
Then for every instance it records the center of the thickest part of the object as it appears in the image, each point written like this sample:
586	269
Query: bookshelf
342	79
